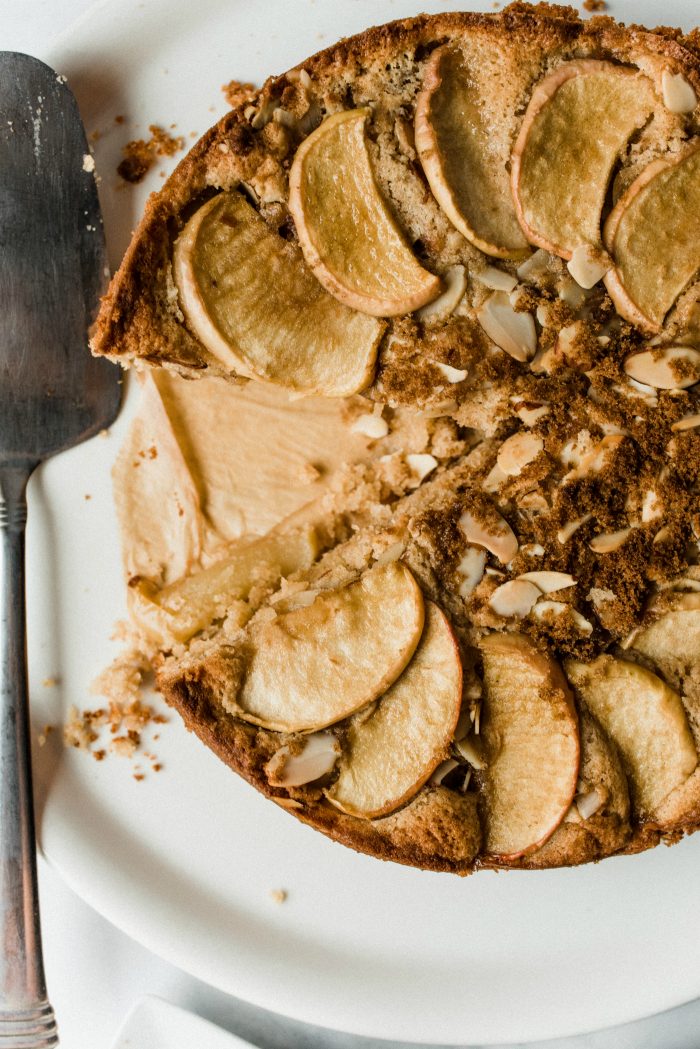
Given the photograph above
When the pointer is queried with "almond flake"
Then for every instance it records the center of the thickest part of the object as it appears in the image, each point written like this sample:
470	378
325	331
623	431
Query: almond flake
499	539
588	804
518	451
679	95
607	542
494	479
587	266
581	622
514	598
657	369
472	751
316	758
443	769
513	332
472	568
571	293
565	533
535	266
652	507
594	461
688	422
549	582
532	550
495	279
663	535
529	415
421	464
372	426
455	281
451	374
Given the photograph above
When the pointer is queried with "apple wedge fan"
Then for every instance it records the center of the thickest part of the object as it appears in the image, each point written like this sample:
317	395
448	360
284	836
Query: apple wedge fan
496	666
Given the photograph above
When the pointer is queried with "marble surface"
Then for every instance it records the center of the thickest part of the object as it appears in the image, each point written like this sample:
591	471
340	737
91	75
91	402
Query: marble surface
95	972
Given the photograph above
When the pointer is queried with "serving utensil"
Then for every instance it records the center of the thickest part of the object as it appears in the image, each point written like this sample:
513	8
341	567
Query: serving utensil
53	395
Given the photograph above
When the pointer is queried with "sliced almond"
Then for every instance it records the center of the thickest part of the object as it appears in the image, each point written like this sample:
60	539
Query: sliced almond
688	422
549	582
587	265
443	769
498	537
472	568
532	550
496	279
594	461
589	803
652	507
452	375
515	598
674	368
512	332
455	281
316	758
581	622
535	266
372	426
529	415
472	750
663	535
517	452
679	96
571	293
494	479
608	542
565	533
421	464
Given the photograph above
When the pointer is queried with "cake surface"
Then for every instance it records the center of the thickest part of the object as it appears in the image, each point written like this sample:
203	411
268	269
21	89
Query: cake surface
538	552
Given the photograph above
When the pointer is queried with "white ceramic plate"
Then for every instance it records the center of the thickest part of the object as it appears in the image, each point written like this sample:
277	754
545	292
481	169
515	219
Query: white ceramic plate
185	860
156	1024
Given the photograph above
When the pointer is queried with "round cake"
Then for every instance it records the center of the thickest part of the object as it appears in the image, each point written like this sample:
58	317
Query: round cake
481	232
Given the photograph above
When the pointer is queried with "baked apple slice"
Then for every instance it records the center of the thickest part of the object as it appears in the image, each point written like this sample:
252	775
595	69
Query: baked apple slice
653	236
316	665
253	304
531	737
455	144
645	717
347	233
389	755
578	121
178	611
672	642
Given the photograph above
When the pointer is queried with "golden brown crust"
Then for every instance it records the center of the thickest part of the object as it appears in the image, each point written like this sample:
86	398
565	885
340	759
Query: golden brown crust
428	841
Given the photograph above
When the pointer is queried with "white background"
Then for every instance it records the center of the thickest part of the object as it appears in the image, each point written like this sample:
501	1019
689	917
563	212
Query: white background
95	972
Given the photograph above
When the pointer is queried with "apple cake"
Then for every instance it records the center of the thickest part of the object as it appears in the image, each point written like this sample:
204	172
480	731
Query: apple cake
485	654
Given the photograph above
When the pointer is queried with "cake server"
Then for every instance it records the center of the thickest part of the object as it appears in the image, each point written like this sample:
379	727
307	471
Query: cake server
53	395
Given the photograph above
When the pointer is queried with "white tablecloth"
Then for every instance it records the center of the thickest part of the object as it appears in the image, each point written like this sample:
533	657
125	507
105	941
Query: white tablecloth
95	972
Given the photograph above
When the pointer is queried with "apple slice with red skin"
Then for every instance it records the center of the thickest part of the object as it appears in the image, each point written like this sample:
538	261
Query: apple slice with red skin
390	754
531	737
578	121
653	237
